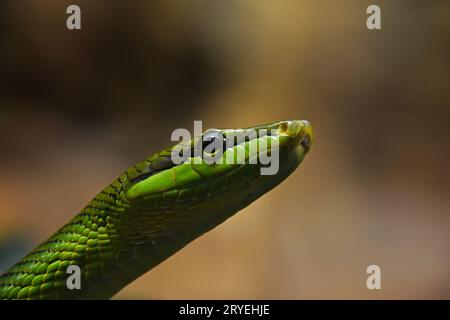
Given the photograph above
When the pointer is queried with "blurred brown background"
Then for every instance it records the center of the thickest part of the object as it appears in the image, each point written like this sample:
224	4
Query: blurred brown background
78	107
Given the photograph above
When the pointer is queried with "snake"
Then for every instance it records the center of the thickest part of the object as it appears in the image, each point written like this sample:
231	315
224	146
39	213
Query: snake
154	209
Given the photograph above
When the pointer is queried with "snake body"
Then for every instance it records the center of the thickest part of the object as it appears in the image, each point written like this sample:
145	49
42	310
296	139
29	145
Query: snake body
148	213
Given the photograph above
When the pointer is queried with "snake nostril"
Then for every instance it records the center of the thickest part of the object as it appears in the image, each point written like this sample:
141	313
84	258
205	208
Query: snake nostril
305	142
283	127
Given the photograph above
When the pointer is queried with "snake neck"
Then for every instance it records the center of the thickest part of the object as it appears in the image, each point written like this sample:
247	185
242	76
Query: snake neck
112	242
95	240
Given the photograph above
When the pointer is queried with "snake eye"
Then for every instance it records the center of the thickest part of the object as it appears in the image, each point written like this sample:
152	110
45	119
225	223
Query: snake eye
212	142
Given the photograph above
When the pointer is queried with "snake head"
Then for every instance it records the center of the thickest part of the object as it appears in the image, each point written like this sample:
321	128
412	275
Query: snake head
236	157
169	204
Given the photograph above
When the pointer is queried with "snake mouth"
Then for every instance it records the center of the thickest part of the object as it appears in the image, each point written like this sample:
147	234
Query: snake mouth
306	135
300	131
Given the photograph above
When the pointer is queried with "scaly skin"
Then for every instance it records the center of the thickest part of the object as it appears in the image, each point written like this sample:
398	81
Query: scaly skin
141	219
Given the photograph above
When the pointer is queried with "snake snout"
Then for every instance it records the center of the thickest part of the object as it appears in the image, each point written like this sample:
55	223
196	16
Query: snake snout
300	131
306	136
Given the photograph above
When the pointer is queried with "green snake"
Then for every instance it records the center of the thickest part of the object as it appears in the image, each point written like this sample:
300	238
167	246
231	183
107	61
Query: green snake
151	211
